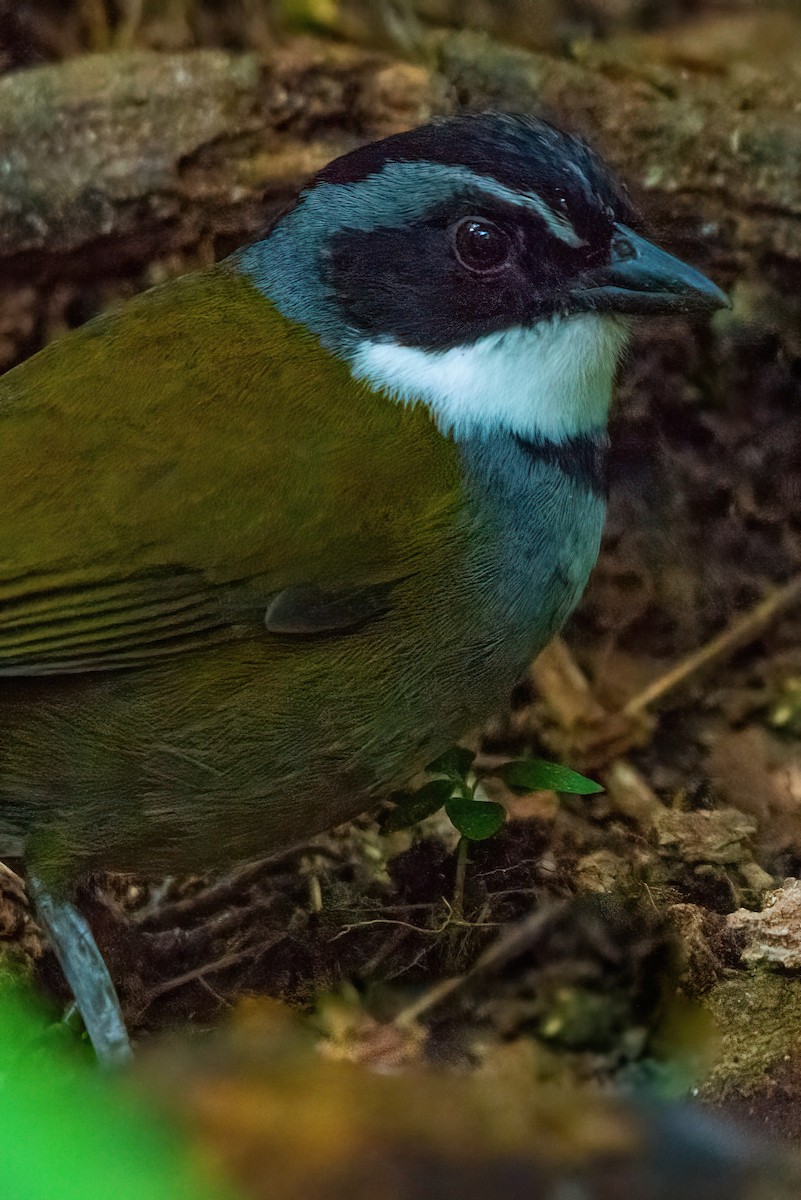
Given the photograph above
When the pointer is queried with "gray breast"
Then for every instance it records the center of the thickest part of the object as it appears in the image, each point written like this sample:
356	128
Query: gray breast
538	510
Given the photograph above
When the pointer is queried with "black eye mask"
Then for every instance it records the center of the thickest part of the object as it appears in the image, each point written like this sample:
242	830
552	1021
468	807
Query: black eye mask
473	266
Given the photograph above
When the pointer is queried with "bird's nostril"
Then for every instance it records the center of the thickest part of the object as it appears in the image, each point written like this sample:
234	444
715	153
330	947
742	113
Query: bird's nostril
623	249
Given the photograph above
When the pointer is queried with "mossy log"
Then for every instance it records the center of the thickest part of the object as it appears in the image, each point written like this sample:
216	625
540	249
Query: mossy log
111	160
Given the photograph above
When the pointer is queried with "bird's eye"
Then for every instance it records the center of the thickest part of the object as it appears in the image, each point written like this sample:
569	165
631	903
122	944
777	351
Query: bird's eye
480	245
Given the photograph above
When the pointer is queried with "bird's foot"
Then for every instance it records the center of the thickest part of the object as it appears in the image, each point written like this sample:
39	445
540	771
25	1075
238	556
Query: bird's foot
86	973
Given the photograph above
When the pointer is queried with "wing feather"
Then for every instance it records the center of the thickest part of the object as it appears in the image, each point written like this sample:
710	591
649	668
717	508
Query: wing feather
169	469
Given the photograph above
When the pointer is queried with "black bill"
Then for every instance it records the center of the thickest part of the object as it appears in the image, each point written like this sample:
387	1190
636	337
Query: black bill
641	278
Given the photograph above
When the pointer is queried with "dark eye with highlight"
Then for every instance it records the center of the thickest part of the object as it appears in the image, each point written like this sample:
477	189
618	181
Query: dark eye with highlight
481	245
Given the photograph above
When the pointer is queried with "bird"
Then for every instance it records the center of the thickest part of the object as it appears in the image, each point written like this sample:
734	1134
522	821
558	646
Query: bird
277	533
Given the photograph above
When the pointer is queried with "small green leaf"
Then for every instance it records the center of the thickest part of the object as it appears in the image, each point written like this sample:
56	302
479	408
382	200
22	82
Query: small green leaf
411	807
455	763
537	775
476	820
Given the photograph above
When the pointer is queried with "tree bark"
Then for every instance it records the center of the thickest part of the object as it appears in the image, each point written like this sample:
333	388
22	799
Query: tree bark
111	158
108	161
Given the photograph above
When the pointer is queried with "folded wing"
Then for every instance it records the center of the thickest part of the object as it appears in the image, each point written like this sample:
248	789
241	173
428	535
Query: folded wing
175	472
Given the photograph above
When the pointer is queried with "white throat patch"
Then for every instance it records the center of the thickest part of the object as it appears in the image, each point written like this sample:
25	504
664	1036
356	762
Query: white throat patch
553	380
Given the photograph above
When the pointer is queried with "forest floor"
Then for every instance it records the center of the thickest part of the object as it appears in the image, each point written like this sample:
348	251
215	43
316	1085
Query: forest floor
647	937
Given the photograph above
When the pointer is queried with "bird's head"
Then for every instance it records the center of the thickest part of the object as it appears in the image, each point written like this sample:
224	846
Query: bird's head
485	265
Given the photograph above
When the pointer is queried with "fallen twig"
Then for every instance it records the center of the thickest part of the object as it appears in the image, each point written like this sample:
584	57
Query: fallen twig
587	729
513	941
739	633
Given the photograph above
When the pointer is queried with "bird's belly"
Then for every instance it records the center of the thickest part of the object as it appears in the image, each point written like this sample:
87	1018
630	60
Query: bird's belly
233	752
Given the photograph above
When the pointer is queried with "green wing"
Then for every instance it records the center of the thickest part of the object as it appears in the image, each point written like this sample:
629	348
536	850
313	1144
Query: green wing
169	470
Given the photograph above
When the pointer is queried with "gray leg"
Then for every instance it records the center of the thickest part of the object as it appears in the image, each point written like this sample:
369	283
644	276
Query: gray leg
86	973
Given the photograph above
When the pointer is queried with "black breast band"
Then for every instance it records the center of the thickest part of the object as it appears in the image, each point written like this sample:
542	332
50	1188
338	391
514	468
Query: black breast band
584	458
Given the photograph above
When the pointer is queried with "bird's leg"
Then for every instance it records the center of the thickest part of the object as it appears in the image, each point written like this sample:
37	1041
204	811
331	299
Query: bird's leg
86	973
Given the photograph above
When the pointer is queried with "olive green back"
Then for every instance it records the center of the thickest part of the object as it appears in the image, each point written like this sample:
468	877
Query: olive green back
168	467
